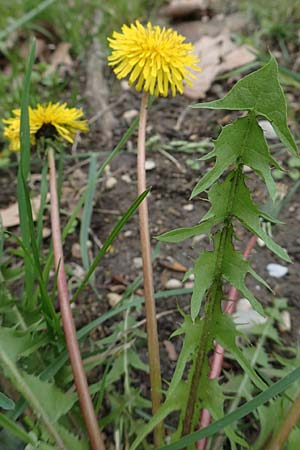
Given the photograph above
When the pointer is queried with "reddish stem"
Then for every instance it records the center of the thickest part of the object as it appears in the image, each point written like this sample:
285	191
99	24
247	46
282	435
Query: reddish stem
218	356
67	318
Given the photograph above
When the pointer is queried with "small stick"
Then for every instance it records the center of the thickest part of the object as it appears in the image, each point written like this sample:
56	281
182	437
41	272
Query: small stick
67	318
292	417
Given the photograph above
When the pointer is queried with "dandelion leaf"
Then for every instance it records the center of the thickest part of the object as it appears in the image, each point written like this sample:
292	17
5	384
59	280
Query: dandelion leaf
213	400
204	276
248	214
54	401
225	333
192	332
235	269
241	142
261	93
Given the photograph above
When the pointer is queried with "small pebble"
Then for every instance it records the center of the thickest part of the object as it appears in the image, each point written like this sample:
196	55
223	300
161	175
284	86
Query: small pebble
126	178
113	298
110	183
189	207
76	250
128	233
130	115
268	130
189	285
138	262
125	85
198	238
173	283
246	317
285	324
149	164
277	270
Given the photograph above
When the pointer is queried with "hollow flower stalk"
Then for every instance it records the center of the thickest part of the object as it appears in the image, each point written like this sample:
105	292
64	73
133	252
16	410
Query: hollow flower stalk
157	60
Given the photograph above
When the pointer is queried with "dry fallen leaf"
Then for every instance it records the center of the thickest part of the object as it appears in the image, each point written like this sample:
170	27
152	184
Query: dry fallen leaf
217	55
61	57
10	215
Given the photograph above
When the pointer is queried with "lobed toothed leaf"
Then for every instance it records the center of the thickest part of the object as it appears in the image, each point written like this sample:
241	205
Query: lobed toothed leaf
261	93
241	142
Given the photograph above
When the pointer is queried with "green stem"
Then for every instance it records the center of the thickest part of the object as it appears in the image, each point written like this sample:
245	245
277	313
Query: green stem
152	335
213	301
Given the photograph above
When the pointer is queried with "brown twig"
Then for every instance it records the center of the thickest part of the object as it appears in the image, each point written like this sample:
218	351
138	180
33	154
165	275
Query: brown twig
152	335
67	318
218	356
292	417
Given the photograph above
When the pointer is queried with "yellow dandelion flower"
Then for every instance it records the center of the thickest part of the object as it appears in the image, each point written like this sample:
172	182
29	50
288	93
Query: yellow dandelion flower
155	58
50	121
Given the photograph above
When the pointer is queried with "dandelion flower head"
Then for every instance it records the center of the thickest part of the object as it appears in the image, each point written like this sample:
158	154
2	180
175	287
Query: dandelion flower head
51	121
156	58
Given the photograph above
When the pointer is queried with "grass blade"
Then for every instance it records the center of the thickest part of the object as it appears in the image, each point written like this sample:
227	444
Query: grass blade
110	239
87	212
25	18
23	172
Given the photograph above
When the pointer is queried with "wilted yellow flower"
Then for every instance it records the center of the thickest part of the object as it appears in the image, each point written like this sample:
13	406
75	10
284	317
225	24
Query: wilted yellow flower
46	120
157	58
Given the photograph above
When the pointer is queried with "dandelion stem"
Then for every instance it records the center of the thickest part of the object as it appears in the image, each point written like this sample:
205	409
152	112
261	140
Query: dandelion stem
67	318
152	336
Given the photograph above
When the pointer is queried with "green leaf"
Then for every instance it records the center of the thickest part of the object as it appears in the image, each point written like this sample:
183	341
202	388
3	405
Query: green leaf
261	93
171	404
116	230
225	333
235	269
204	271
276	389
23	172
213	399
46	400
180	234
192	332
55	402
247	212
241	142
294	439
6	402
7	423
87	212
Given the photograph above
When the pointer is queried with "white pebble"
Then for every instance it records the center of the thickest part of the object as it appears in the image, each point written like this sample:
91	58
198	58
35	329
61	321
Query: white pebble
277	270
113	298
189	207
173	283
130	115
246	317
138	262
110	183
128	233
189	285
126	178
268	130
285	324
150	164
